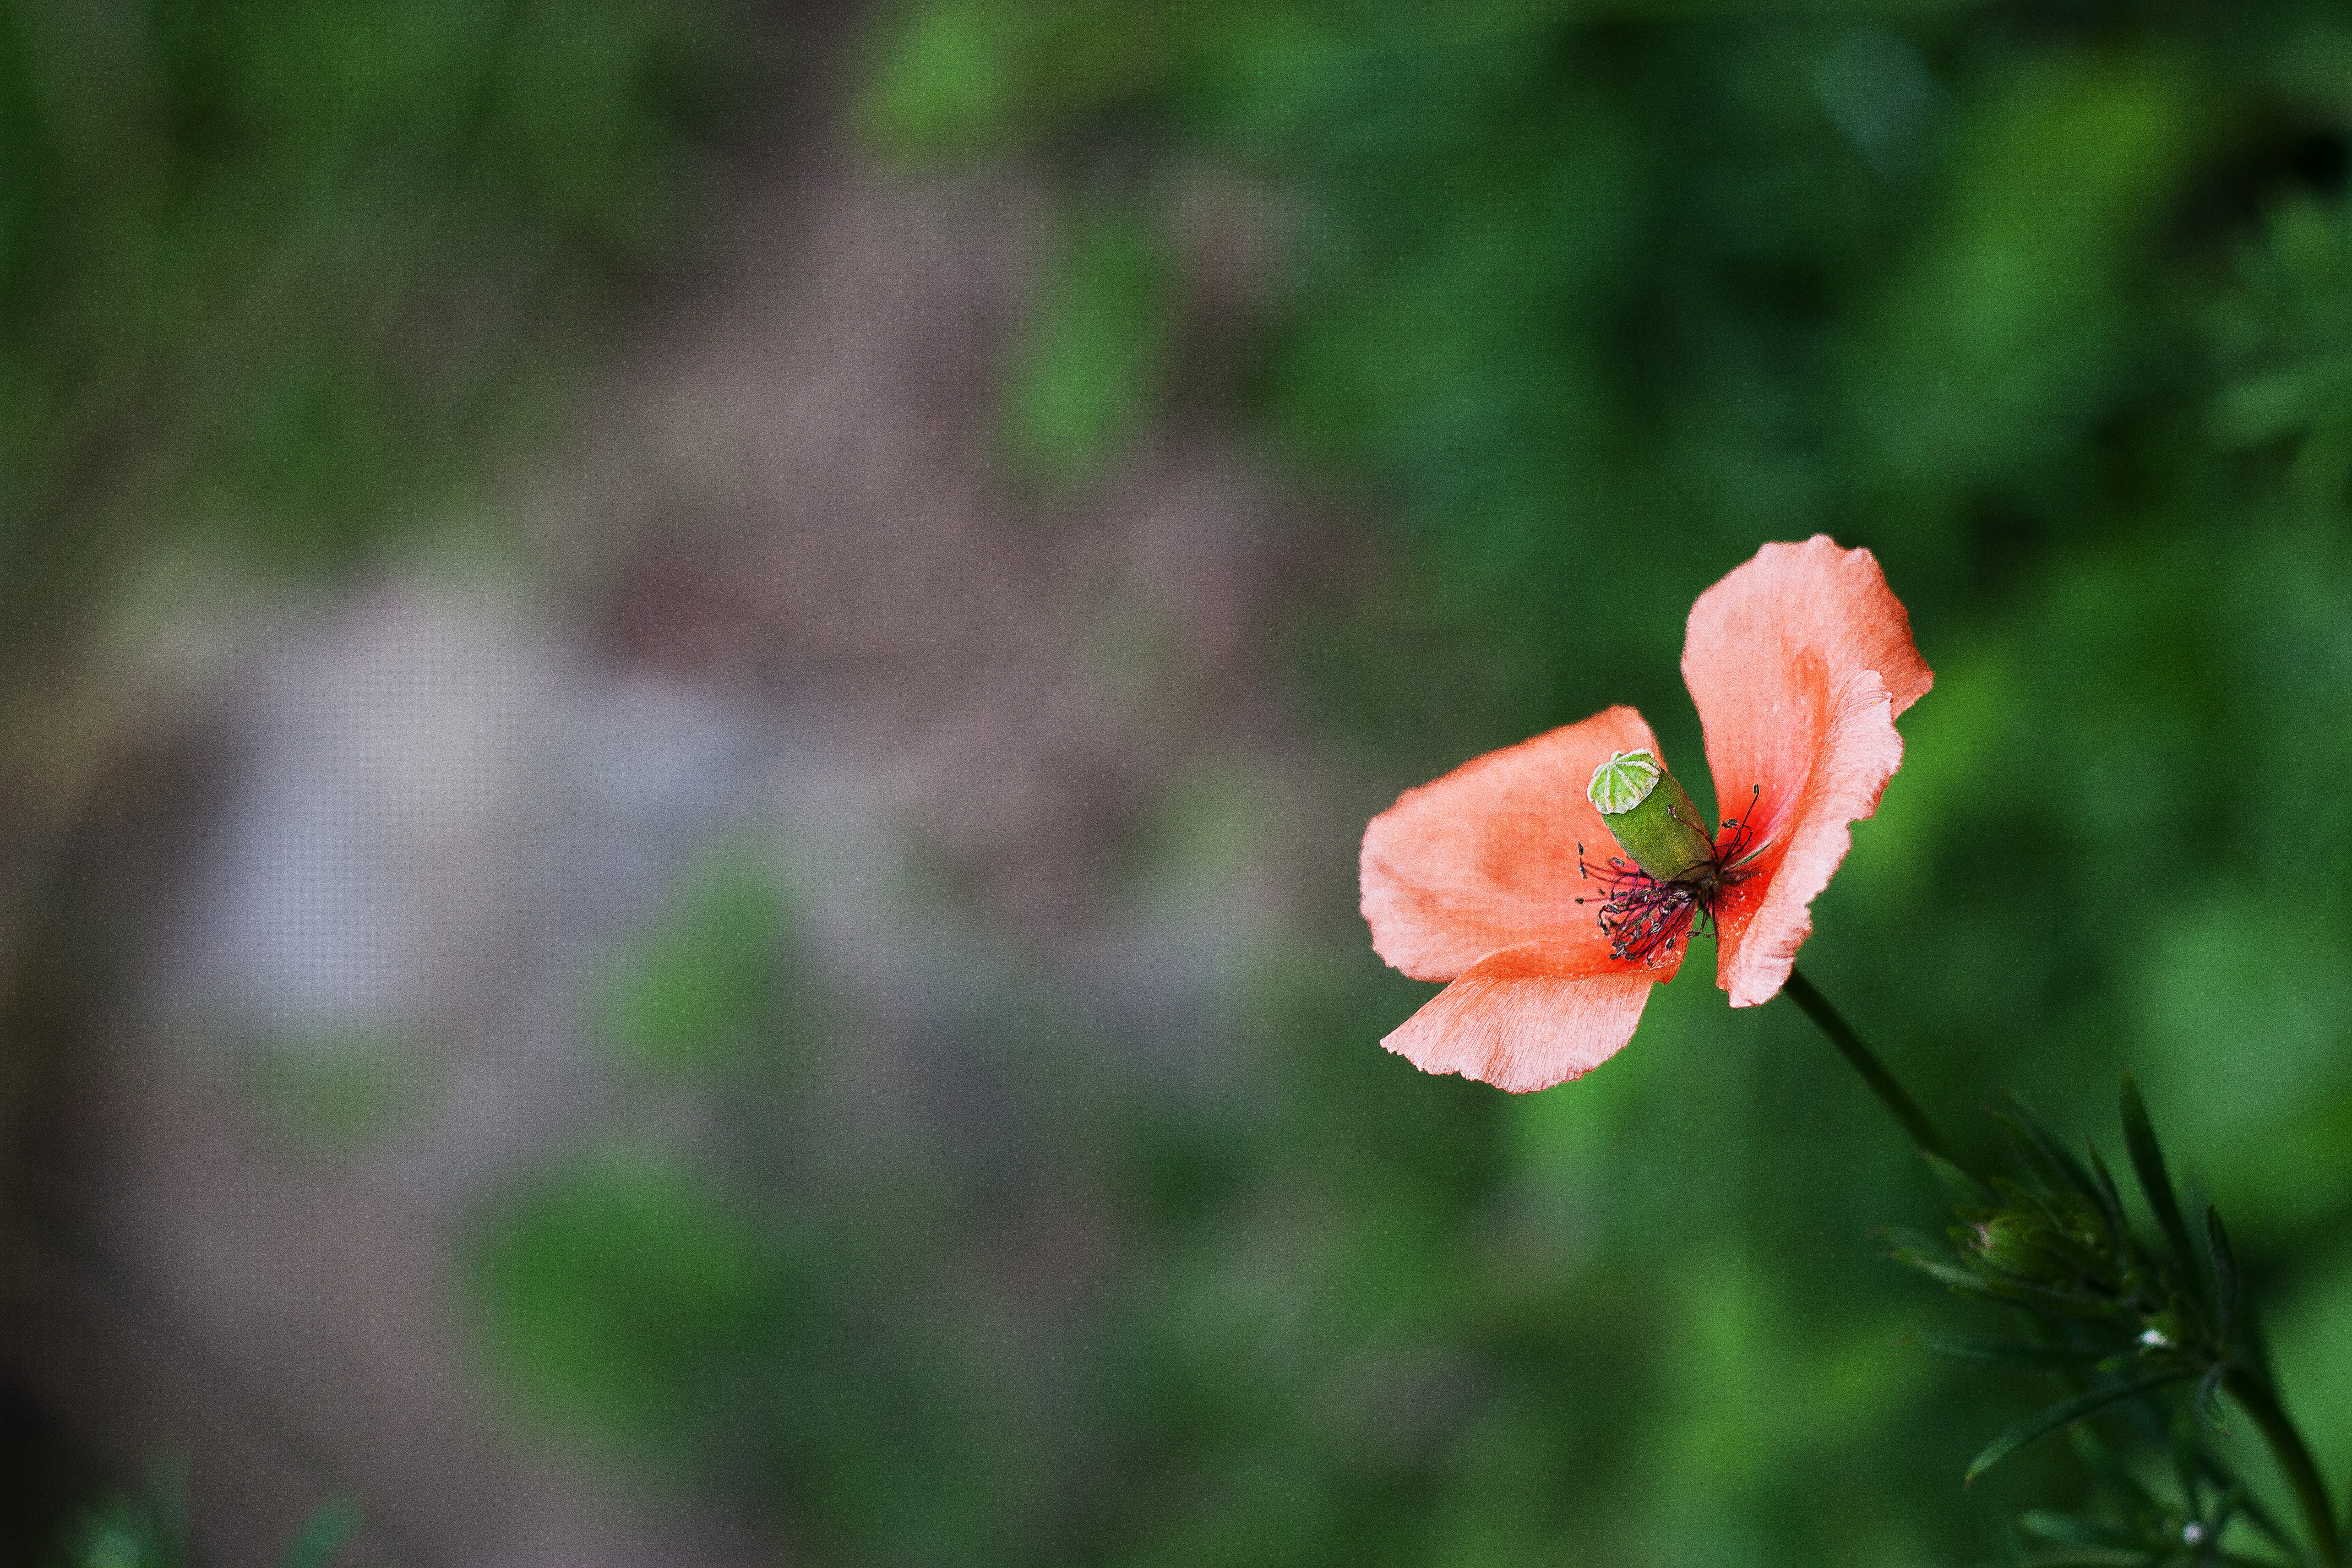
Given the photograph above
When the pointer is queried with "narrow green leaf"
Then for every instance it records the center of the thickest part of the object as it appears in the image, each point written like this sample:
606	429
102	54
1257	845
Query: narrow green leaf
1957	1182
2050	1176
1901	1238
2225	1274
2148	1162
320	1538
2072	1530
2069	1170
2015	1195
2251	1340
2111	1201
2061	1301
2062	1413
1948	1275
2013	1353
2207	1403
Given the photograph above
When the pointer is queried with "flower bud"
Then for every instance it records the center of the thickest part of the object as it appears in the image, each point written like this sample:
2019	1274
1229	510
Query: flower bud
1650	814
2009	1242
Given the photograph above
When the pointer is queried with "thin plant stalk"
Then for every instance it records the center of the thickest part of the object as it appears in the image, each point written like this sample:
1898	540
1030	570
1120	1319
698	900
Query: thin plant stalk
1863	1060
2294	1461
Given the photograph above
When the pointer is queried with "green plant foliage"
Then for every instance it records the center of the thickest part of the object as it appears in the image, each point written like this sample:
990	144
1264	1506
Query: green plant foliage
264	271
712	985
1089	372
807	1347
2286	335
636	1294
2121	1322
763	1310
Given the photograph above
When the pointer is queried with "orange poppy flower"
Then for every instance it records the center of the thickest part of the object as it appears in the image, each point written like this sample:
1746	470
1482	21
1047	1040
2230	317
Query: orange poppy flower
1799	662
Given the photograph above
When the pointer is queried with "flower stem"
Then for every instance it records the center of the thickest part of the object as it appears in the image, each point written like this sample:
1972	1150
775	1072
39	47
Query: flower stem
1863	1060
2294	1459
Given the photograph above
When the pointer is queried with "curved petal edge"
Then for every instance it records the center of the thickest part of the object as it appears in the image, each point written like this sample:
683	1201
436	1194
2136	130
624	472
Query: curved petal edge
1486	857
1511	1021
1798	661
1758	935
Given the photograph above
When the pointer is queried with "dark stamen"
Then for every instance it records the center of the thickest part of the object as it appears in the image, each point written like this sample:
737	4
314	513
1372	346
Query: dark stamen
1646	919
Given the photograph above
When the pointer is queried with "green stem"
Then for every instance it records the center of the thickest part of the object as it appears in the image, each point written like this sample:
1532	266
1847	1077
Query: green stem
1863	1060
2293	1460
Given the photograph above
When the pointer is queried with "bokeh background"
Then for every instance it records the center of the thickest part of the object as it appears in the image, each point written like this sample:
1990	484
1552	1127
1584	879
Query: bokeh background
688	688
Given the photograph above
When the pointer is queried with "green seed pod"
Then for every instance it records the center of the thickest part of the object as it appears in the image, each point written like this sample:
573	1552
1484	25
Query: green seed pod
1651	815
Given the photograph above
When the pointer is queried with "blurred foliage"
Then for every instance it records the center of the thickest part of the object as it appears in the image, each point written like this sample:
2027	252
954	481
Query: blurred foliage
1084	379
152	1532
749	1293
1575	302
706	988
265	270
146	1532
274	279
337	1089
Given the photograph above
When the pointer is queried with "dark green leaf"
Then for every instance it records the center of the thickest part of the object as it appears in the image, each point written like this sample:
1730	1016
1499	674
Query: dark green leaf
1949	1274
2062	1413
2015	1195
2251	1340
2061	1300
2111	1201
1903	1238
1964	1188
2072	1530
2013	1353
2148	1162
2067	1170
2207	1403
2225	1273
2050	1177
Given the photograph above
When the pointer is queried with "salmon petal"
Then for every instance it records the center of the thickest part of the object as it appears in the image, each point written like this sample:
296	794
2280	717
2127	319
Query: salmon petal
1486	857
1799	662
1515	1021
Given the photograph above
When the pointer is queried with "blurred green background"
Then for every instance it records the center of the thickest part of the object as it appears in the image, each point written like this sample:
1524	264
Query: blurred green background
1560	309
